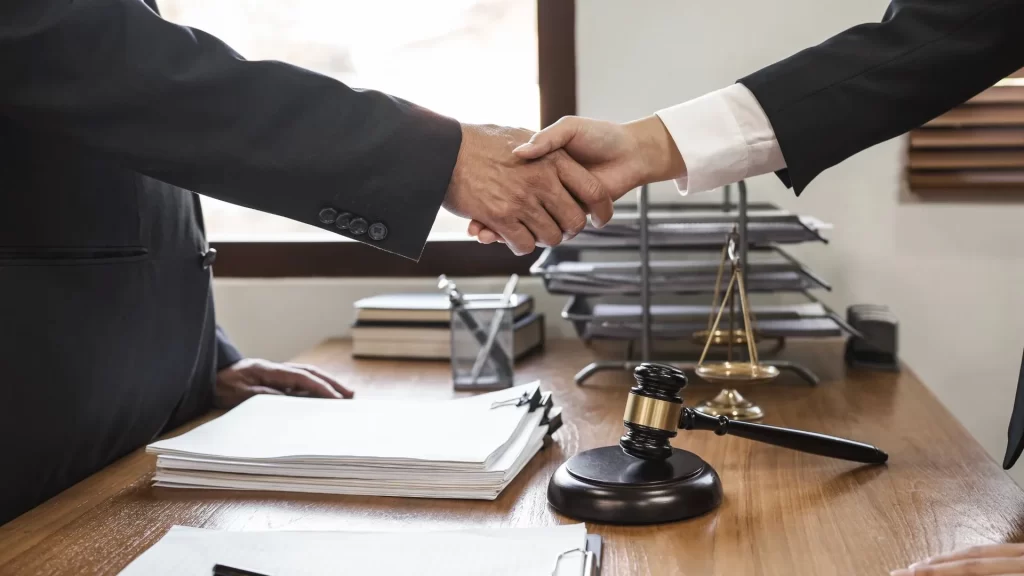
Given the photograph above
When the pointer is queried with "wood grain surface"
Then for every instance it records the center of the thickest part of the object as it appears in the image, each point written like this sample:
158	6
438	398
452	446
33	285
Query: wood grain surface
784	513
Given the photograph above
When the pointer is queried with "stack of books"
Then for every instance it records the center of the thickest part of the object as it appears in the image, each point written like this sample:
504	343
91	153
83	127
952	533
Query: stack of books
466	448
418	326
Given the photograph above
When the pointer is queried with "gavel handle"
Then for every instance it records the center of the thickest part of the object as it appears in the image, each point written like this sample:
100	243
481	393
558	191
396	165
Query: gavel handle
800	440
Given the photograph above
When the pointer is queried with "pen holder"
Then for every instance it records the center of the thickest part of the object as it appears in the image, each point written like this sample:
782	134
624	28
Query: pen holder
482	348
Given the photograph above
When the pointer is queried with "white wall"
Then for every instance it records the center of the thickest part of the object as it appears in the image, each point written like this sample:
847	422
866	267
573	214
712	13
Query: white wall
950	271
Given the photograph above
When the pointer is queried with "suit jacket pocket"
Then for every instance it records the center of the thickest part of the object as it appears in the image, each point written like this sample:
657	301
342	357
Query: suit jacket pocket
70	256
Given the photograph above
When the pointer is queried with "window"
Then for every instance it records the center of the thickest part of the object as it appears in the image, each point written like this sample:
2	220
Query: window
474	60
976	147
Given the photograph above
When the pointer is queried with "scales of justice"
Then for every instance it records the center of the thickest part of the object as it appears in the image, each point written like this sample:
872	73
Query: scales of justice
730	374
645	480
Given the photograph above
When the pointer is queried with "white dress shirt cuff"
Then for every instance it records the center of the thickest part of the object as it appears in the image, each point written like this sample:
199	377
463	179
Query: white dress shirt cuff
723	137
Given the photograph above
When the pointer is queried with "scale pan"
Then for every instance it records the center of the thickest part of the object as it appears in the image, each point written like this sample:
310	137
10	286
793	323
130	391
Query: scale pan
721	337
736	373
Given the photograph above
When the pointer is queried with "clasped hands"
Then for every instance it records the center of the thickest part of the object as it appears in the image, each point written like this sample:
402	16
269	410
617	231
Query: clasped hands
529	190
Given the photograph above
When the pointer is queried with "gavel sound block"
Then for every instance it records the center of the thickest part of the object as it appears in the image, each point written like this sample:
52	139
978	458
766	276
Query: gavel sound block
644	480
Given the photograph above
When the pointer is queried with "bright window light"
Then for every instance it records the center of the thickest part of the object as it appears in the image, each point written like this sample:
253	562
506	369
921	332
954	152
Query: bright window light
473	60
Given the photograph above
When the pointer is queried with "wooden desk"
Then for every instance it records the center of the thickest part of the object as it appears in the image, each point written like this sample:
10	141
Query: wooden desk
784	513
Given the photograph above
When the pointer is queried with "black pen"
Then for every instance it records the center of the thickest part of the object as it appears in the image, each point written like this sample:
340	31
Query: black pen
221	570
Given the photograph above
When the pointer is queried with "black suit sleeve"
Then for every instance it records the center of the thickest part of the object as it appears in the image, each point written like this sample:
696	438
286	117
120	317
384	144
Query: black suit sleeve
178	105
877	81
227	354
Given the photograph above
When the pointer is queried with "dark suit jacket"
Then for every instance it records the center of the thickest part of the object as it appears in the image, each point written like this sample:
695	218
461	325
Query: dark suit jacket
877	81
109	117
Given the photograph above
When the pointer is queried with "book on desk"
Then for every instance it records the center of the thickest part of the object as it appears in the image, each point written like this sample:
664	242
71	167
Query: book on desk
418	326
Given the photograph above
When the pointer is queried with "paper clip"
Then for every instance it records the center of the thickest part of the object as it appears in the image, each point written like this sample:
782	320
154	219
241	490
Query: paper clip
588	561
524	399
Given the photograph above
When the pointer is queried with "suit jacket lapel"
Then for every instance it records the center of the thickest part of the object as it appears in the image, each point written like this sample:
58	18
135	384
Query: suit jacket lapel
1015	434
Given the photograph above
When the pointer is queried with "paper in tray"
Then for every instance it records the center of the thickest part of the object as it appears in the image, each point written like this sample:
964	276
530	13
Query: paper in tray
769	329
596	319
703	227
570	270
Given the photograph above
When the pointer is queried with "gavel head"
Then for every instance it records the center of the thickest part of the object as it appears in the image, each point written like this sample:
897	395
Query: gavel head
652	411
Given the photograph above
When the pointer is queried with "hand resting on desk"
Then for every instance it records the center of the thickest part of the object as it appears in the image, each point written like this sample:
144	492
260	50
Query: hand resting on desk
987	560
251	376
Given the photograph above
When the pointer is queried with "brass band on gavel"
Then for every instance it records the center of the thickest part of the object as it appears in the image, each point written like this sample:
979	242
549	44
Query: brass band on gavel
652	412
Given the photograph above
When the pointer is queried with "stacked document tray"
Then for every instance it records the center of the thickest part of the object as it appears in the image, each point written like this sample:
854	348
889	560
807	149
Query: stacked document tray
690	225
597	320
593	271
600	270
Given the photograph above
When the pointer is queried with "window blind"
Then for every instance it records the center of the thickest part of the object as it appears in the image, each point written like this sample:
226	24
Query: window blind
978	145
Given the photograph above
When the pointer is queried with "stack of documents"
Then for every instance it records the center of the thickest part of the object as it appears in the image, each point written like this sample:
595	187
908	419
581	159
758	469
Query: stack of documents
557	551
464	448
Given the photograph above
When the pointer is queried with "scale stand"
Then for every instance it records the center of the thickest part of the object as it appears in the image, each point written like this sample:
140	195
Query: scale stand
645	299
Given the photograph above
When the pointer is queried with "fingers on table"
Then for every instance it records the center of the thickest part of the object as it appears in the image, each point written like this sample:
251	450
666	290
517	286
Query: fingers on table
290	378
985	551
338	387
234	393
249	391
967	567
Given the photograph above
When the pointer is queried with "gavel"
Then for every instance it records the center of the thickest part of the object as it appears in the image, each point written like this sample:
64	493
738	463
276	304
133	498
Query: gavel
655	412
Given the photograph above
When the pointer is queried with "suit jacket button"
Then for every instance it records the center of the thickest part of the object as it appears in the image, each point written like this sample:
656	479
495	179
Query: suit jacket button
209	257
328	215
378	231
343	221
358	226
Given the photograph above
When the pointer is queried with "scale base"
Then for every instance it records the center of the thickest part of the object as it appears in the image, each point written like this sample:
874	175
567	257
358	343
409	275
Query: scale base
732	404
608	486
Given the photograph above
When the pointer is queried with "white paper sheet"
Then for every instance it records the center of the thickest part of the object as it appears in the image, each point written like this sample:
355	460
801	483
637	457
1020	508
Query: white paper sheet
465	432
494	552
463	486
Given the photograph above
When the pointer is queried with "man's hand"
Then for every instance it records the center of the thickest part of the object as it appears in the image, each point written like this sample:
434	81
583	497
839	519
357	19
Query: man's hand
249	377
620	156
524	201
988	560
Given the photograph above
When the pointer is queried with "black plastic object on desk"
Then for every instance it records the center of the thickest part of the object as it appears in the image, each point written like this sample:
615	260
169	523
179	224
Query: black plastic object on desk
222	570
644	480
877	350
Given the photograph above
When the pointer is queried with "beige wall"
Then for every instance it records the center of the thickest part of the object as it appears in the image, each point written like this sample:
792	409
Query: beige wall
950	271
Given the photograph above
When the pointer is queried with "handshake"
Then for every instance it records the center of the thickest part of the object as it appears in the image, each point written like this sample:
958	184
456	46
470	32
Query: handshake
528	190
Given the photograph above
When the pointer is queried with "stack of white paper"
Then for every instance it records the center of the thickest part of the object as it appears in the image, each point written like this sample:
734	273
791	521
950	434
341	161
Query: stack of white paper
556	551
466	448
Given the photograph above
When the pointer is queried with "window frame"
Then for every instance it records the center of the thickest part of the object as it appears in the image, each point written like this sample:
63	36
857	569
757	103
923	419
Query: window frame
556	49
